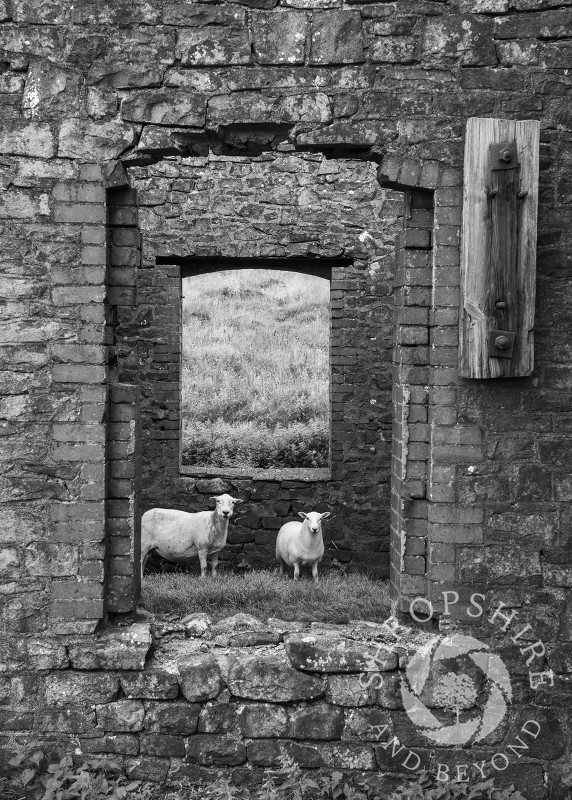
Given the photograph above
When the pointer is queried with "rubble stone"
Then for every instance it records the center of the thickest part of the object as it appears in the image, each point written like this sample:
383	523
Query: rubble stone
180	718
154	683
200	677
87	140
121	716
279	37
263	720
336	38
121	648
214	45
328	654
316	721
271	678
78	688
215	750
165	107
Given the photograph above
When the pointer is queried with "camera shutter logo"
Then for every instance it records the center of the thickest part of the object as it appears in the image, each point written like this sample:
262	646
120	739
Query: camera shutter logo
456	691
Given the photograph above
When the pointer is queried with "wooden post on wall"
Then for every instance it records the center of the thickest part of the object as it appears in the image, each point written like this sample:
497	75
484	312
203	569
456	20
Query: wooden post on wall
498	248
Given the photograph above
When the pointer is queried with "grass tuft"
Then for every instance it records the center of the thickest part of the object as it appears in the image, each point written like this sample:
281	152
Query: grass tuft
250	444
264	594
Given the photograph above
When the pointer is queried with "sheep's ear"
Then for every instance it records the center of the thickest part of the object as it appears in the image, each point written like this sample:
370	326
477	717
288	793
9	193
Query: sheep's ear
214	497
236	500
302	514
326	514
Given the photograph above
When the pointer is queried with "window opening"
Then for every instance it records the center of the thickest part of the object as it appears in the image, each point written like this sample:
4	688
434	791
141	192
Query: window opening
255	368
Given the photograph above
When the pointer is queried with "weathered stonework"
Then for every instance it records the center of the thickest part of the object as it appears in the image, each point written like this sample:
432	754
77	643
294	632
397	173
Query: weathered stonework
97	98
119	649
258	705
326	654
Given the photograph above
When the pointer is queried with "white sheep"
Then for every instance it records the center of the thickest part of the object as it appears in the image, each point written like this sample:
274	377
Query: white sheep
179	536
301	543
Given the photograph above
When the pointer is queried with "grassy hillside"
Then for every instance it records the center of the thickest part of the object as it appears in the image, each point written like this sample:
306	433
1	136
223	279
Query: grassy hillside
255	369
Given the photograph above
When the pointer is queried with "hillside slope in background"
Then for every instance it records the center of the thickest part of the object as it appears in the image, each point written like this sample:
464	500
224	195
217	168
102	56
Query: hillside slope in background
255	369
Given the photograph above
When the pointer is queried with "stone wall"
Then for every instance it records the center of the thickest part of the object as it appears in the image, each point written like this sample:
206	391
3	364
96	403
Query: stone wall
399	87
90	93
236	696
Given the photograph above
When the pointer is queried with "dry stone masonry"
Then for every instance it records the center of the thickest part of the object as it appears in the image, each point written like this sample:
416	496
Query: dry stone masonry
138	138
236	696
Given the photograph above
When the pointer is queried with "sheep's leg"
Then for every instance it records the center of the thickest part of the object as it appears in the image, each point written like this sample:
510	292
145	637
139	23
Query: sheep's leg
296	570
315	571
203	560
144	556
214	562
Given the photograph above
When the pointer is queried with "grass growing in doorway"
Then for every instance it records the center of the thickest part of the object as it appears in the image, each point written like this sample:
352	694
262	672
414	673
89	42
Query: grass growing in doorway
265	594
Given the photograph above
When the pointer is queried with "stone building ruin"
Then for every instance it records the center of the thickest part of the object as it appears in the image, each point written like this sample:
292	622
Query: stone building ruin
139	138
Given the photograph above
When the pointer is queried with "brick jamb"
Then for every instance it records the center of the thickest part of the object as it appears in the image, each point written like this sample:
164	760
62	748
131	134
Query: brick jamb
430	443
124	440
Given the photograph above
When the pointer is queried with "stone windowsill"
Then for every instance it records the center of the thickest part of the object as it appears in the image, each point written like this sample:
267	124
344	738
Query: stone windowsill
309	475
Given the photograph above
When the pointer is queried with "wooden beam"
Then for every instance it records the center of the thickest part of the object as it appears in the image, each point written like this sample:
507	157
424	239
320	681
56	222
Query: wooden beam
498	248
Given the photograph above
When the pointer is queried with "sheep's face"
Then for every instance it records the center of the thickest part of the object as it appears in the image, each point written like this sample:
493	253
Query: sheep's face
314	520
225	505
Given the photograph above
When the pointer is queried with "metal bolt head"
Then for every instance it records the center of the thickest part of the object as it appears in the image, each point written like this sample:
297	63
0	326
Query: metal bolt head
501	342
505	155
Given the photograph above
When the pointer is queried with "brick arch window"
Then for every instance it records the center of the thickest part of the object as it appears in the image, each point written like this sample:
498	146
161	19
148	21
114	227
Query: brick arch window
193	461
